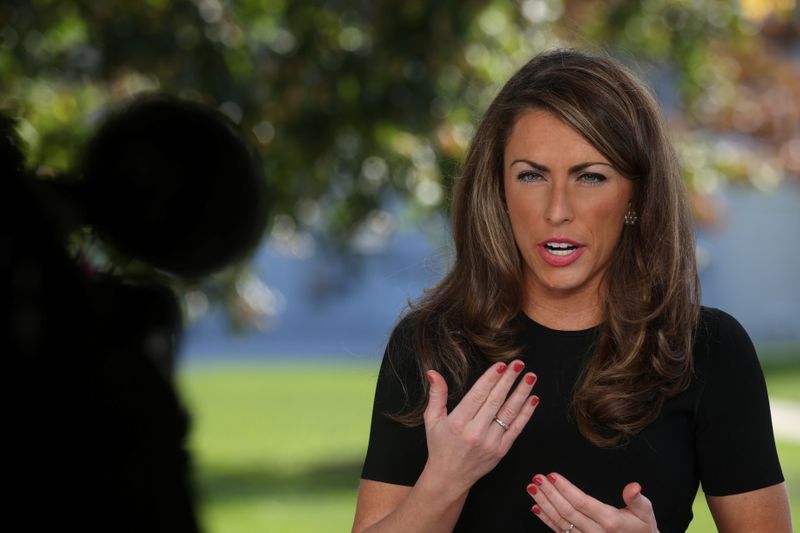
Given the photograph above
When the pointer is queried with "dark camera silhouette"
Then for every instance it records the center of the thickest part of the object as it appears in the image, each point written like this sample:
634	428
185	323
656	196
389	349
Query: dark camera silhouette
97	430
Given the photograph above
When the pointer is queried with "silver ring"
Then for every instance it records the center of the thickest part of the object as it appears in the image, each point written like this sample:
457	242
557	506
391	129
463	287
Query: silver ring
502	424
571	526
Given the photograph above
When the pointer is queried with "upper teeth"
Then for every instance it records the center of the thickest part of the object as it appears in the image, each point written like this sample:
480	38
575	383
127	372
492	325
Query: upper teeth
560	248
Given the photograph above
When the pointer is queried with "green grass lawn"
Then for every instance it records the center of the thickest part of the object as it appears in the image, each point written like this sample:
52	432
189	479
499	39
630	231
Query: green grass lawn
278	447
782	370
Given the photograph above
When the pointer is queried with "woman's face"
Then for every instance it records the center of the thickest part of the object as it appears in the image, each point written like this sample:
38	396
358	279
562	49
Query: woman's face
566	204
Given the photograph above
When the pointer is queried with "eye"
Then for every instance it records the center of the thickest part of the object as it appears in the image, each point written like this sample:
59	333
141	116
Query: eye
529	176
592	178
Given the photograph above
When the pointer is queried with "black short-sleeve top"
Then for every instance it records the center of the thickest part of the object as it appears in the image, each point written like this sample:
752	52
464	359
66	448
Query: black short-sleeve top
717	433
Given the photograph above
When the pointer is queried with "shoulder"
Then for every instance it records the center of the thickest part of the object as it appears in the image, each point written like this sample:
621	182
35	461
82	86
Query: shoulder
404	331
724	353
716	322
733	431
402	345
399	371
719	330
417	331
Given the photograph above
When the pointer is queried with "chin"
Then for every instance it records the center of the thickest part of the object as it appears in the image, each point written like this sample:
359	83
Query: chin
562	285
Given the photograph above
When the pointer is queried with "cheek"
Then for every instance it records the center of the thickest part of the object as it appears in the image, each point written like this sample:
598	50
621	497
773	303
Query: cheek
517	227
522	233
523	215
526	206
608	223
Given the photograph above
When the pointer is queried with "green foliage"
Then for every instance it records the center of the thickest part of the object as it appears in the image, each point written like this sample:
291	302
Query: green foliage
311	84
322	88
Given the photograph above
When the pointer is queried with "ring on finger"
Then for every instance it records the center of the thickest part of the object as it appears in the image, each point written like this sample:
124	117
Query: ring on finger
502	424
570	528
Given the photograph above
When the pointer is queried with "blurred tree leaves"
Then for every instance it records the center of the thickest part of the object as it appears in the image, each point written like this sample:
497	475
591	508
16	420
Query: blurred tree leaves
355	101
354	104
337	95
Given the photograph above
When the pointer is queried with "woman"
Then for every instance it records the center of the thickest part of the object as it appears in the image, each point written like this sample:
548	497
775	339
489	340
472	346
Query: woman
575	261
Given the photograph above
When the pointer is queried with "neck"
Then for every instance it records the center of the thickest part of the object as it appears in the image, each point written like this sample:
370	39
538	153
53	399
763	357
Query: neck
564	311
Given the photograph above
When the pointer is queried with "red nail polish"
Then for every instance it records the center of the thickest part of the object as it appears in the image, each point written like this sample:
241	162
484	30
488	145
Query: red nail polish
501	368
536	509
534	401
551	478
518	366
530	379
532	490
538	479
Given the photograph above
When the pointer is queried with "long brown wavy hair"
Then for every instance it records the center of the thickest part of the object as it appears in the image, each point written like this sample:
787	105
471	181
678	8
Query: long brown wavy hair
643	352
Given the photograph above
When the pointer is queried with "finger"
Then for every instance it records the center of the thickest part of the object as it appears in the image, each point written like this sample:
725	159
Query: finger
545	510
516	427
573	505
541	506
477	395
511	408
541	515
637	503
548	514
437	399
498	395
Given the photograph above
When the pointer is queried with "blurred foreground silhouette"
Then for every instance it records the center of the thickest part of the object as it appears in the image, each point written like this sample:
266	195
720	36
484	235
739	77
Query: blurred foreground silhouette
97	430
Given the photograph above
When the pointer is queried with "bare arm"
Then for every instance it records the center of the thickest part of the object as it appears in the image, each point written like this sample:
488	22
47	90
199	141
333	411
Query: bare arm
424	507
764	509
462	447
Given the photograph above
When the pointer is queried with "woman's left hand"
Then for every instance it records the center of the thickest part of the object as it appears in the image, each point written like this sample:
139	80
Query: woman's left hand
566	508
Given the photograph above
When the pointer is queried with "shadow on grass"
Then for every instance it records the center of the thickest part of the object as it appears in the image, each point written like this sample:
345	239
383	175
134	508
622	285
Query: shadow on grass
262	481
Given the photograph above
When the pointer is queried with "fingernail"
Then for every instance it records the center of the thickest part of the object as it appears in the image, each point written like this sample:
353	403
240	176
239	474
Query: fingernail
518	366
538	479
536	509
532	489
534	401
501	368
429	376
551	478
530	379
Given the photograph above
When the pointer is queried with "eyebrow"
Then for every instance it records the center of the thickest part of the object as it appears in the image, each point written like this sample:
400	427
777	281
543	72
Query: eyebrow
573	169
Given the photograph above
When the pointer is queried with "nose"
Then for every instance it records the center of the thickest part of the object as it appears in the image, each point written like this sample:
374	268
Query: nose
559	208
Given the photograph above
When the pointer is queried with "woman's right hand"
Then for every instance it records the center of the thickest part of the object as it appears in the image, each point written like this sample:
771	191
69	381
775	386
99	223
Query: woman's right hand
467	443
462	447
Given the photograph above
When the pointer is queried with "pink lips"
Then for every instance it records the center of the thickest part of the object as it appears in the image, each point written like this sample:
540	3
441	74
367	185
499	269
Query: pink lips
561	252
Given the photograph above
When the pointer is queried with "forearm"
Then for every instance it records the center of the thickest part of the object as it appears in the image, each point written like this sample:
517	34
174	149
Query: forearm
432	506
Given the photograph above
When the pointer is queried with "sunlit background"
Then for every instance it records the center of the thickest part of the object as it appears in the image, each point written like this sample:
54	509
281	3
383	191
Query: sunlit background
361	112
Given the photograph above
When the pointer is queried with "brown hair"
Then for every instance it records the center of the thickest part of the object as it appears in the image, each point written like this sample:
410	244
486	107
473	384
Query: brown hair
643	353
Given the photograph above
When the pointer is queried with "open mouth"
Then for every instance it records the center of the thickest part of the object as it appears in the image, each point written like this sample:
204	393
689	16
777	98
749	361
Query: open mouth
560	248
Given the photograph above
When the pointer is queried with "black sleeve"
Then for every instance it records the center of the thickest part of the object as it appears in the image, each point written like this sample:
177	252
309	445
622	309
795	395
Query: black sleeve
734	439
396	453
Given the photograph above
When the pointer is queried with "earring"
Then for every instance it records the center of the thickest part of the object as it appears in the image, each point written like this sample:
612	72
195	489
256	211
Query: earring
631	217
